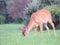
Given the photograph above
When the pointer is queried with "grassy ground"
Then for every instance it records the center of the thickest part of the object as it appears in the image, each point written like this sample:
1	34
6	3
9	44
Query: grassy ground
11	35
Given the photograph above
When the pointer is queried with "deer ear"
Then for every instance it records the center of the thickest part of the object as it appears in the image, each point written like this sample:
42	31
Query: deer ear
23	29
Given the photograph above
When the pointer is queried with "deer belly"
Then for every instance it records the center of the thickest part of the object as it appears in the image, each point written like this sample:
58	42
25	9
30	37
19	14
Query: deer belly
45	21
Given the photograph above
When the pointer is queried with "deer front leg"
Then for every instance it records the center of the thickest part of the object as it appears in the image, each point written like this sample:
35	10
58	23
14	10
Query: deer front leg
41	28
35	27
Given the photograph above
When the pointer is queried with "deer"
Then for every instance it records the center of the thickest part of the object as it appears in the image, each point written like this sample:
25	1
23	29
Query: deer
39	18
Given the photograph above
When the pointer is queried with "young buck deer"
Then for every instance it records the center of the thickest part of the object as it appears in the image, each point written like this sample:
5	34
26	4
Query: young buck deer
39	18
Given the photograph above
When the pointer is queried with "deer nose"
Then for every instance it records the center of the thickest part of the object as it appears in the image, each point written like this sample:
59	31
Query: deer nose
23	33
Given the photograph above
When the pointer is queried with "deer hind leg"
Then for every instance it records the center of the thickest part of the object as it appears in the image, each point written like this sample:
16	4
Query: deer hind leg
52	24
47	28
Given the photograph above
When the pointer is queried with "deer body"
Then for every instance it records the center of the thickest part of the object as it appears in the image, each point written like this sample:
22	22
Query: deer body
39	18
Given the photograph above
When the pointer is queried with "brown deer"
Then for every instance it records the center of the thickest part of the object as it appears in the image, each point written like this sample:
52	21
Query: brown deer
39	18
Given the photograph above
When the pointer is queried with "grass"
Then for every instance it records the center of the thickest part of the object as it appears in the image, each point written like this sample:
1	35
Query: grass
11	35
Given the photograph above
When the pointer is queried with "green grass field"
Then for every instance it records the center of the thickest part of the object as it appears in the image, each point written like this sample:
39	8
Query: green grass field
11	35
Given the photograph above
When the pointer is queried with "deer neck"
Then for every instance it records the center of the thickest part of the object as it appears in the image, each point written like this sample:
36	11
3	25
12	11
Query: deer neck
30	25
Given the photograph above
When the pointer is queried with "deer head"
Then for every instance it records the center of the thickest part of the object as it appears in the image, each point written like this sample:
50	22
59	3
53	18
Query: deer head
24	31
